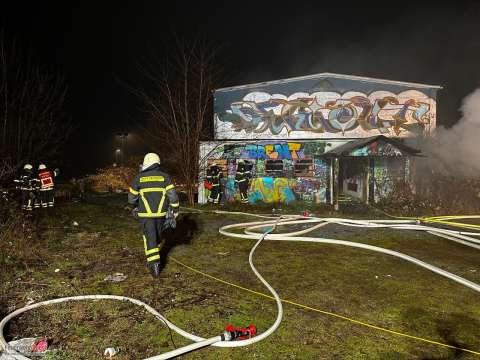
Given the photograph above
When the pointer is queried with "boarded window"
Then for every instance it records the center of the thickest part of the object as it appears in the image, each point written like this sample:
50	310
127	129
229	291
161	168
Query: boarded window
352	186
304	167
274	167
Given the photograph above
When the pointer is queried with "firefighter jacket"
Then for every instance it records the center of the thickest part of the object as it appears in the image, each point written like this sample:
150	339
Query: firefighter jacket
214	175
243	172
241	175
248	170
45	178
26	182
153	193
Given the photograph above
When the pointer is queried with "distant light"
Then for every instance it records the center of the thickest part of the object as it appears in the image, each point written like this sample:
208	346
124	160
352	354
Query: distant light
118	150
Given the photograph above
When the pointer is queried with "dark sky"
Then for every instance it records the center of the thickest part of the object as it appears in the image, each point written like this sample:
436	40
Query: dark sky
97	43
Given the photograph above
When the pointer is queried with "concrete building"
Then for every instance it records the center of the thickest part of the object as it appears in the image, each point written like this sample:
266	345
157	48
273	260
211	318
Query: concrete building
317	138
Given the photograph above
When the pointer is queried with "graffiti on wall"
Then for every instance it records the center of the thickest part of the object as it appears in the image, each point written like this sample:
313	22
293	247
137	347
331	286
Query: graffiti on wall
377	149
299	173
327	114
271	190
276	151
269	150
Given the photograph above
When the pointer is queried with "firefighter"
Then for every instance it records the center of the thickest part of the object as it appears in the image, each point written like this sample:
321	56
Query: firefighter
214	176
46	186
26	183
242	178
155	197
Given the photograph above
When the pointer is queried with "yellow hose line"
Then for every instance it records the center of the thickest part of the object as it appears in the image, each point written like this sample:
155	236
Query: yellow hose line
451	217
452	223
358	322
437	219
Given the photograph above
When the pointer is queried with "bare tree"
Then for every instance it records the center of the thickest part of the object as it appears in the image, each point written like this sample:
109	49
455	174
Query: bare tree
178	107
33	122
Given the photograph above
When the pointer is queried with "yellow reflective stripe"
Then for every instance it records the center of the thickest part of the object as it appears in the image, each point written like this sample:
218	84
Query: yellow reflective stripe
151	178
152	251
147	205
152	215
170	187
145	243
175	205
134	192
154	257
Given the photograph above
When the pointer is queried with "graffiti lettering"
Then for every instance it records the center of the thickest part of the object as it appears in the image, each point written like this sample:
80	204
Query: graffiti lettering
329	112
277	151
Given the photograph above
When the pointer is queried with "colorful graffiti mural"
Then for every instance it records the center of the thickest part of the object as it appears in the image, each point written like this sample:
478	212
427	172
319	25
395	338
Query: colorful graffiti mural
277	151
282	171
268	150
327	114
271	190
287	171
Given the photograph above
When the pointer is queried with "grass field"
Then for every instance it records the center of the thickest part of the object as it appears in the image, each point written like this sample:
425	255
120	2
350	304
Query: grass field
362	285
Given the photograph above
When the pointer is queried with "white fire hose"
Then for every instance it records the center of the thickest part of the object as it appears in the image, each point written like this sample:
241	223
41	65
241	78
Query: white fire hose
226	339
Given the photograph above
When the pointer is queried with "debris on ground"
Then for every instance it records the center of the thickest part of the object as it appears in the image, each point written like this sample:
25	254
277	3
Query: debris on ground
28	347
111	352
40	346
116	277
30	301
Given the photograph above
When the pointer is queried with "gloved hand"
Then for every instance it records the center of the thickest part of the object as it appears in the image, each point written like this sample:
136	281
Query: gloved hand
175	214
135	212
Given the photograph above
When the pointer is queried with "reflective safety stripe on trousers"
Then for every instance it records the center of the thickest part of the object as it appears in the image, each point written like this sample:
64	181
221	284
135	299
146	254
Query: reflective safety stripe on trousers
153	253
149	212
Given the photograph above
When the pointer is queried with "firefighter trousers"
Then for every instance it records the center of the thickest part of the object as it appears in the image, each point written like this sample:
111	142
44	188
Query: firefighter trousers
27	200
215	193
152	237
47	198
243	188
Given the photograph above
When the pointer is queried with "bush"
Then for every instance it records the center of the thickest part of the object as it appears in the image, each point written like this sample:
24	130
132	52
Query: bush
112	179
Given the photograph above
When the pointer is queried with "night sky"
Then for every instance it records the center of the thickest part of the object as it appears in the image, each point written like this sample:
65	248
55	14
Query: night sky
98	44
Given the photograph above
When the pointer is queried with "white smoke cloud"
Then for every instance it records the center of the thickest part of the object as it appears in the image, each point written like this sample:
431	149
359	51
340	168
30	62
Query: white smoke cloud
456	151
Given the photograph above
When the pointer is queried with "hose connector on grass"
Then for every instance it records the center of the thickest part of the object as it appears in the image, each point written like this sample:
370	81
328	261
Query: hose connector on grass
238	333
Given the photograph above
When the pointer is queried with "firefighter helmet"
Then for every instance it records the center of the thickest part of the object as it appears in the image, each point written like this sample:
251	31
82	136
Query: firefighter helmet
27	167
41	167
149	160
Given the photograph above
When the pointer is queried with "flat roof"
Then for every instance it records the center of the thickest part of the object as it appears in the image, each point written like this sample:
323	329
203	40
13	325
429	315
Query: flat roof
336	76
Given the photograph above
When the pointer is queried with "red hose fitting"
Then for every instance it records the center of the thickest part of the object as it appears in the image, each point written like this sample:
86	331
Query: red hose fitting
241	333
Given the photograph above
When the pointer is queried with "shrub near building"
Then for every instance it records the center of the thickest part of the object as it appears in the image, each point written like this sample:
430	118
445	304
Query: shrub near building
112	179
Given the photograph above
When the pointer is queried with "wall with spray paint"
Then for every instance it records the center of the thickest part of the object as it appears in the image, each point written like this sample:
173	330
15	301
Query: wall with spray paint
324	106
284	127
286	171
282	171
386	172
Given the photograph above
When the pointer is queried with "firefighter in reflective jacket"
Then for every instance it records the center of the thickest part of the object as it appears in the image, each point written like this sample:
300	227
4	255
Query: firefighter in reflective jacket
26	183
46	187
155	196
214	177
242	179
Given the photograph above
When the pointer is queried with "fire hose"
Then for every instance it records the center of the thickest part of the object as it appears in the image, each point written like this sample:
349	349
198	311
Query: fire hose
245	336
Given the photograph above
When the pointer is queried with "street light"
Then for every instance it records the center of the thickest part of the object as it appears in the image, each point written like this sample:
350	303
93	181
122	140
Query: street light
123	144
118	153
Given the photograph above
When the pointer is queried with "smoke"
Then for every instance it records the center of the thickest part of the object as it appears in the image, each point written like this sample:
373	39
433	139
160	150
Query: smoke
456	151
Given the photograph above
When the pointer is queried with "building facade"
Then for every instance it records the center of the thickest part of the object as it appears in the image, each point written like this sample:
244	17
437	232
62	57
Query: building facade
317	138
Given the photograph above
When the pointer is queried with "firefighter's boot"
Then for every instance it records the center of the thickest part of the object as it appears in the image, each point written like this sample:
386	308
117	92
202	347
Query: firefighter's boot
154	268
